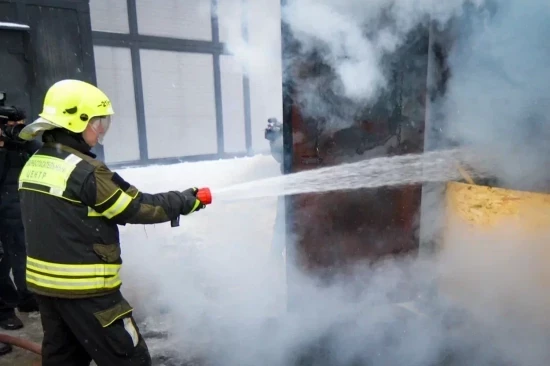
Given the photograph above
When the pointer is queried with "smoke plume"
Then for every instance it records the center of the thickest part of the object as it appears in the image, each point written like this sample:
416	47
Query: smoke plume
224	295
497	96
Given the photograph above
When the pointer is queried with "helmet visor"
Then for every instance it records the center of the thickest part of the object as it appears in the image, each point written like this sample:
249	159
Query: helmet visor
101	126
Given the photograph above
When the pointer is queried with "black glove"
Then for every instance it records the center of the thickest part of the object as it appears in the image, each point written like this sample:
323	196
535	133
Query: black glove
192	204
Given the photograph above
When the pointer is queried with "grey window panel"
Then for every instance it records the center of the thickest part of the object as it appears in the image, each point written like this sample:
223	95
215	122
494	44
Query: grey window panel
180	110
109	16
188	19
230	19
232	105
114	77
264	37
265	102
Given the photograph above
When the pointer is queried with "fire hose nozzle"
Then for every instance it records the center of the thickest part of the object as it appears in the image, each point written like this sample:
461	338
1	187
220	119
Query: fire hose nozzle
204	195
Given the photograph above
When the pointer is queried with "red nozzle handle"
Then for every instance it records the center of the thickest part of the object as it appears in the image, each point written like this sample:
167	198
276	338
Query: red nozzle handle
204	195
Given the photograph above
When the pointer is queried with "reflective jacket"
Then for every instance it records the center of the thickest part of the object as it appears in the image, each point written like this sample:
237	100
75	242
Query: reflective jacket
71	205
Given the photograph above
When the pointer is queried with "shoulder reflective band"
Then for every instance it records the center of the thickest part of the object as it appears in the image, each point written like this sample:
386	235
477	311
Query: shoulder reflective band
75	277
48	174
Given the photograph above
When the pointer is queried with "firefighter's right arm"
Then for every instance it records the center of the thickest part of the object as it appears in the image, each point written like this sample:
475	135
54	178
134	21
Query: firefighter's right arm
109	195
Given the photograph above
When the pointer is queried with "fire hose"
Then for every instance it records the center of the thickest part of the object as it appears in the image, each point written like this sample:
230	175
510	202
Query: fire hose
21	343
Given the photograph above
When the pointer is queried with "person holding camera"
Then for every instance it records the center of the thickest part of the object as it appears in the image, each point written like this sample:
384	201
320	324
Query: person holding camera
274	134
14	153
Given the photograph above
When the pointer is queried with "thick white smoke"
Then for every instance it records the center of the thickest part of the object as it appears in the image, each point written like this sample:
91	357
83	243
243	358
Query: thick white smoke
225	295
498	95
353	36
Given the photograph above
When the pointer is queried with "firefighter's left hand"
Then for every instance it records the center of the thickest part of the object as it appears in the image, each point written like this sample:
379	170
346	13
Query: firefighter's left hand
191	197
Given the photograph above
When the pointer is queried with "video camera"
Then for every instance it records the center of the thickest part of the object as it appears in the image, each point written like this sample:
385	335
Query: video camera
10	114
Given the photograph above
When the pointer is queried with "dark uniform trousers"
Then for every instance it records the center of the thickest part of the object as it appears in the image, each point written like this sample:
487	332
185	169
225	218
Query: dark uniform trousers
12	236
78	330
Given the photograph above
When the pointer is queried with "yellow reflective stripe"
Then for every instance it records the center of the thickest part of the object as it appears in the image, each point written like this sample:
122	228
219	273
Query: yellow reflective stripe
74	270
73	159
120	205
94	283
42	191
93	213
197	203
49	171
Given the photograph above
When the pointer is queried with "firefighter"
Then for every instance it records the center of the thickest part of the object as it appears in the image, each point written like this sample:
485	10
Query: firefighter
71	205
274	134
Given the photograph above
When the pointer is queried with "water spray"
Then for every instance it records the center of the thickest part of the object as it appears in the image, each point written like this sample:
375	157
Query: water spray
388	171
436	166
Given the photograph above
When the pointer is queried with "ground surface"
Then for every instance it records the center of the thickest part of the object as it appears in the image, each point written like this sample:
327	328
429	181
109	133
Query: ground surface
31	331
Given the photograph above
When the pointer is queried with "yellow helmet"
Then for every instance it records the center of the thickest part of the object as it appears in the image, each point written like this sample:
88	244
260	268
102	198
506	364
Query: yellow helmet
69	104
